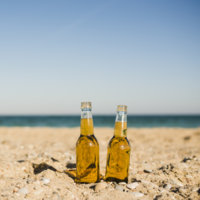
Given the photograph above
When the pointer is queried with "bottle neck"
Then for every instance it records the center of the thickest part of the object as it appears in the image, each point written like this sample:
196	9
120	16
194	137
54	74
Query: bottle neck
86	122
121	124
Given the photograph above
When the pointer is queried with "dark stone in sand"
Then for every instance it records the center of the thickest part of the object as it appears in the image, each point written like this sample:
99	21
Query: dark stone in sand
54	160
198	191
147	171
174	189
187	138
167	168
135	180
186	159
20	161
157	197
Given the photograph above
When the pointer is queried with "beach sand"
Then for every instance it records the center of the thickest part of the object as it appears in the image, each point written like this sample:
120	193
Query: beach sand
165	164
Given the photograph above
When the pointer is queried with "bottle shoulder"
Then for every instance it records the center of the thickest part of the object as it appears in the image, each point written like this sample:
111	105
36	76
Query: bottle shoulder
87	139
119	141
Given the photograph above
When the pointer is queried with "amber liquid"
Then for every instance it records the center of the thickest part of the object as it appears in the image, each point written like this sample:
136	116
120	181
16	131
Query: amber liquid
87	154
118	155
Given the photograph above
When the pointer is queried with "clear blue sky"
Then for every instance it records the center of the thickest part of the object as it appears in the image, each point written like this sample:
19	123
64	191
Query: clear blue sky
55	54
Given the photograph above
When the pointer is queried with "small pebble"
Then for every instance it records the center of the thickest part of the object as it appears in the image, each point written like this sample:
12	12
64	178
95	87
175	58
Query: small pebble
100	186
175	189
157	197
119	187
23	191
147	171
177	183
20	161
28	180
54	160
167	186
132	185
55	196
45	181
138	194
122	183
23	168
149	184
185	160
189	176
84	193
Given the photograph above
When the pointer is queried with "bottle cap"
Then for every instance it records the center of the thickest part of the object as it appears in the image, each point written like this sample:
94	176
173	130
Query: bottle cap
86	104
122	108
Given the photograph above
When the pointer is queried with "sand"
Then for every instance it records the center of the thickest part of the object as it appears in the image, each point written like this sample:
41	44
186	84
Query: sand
165	164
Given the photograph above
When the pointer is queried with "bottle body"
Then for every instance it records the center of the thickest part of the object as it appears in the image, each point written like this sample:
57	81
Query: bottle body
87	151
118	153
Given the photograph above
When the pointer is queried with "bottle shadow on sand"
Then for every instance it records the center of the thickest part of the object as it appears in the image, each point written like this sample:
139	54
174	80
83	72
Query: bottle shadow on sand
70	171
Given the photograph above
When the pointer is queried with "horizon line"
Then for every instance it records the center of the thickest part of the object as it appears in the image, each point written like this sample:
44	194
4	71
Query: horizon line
100	114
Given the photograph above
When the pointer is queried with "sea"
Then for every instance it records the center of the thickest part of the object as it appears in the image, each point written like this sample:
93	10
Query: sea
135	121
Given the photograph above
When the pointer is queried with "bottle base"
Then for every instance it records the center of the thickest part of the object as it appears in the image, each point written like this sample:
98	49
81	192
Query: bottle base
85	182
112	179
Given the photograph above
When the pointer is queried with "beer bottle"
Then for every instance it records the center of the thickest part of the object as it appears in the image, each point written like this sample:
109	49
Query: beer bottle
87	148
118	152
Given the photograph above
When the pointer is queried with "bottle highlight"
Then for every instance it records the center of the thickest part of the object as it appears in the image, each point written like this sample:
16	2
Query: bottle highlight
118	152
87	149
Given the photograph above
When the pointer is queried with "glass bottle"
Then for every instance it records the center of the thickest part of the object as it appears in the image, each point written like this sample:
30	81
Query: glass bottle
118	153
87	149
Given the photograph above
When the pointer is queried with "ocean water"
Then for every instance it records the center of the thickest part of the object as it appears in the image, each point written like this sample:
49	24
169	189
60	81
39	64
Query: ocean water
137	121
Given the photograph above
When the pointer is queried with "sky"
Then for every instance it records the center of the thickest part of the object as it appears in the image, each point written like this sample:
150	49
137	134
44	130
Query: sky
142	53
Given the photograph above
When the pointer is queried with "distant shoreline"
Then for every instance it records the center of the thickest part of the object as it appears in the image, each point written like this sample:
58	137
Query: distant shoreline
71	121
